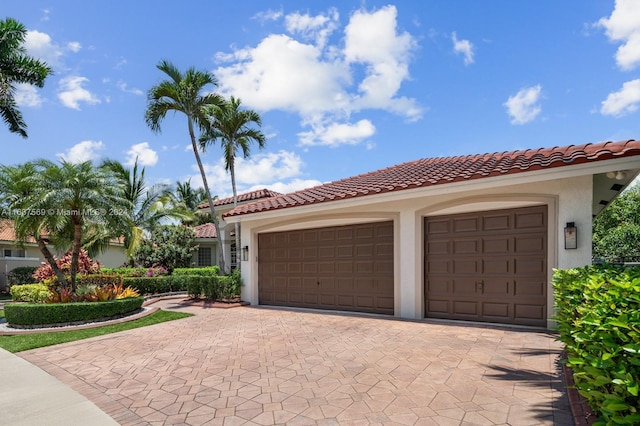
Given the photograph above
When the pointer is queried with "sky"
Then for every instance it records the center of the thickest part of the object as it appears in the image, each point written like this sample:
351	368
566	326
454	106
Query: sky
343	88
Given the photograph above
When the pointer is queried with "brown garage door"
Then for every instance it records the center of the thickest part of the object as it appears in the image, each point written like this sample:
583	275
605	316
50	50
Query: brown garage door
489	266
347	268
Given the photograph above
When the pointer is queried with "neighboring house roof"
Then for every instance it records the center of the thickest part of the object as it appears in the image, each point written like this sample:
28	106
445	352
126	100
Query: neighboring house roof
437	171
247	196
7	231
206	230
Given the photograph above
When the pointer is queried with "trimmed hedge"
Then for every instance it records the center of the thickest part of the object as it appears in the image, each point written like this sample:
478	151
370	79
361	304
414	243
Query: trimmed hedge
206	271
30	314
598	316
31	293
99	280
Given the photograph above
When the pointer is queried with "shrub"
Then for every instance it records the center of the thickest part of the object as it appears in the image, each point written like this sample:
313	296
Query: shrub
22	275
125	271
28	314
154	285
32	293
99	280
206	271
85	266
598	316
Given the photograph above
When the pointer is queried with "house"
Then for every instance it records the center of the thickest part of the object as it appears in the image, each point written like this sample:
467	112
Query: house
206	237
473	238
14	255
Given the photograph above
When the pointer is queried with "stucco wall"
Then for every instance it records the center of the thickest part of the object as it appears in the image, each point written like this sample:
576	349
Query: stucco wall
569	200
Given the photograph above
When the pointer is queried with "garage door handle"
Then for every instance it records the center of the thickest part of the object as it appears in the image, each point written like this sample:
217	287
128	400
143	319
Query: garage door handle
480	286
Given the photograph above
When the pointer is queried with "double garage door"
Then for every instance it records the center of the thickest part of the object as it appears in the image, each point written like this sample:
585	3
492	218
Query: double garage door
488	266
347	268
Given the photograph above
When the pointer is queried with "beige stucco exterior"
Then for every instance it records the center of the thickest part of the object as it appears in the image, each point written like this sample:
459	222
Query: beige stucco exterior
567	191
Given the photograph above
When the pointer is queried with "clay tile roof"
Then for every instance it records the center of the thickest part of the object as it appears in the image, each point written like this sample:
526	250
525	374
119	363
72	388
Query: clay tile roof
248	196
206	230
438	171
7	232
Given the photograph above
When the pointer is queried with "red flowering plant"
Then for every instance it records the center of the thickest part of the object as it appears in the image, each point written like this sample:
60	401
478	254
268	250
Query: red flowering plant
86	265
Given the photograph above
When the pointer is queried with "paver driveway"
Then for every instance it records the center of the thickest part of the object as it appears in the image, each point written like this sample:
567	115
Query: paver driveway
263	366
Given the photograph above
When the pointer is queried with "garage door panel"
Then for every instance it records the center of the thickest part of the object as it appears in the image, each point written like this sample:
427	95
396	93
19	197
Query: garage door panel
505	251
352	264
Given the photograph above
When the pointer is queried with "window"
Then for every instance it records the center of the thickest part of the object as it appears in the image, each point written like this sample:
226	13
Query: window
14	253
234	256
204	256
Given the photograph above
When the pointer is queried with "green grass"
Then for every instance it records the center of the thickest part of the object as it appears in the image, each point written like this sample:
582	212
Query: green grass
23	342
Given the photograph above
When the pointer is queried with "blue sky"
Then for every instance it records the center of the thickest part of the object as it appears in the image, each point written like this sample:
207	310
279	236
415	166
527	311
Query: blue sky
342	88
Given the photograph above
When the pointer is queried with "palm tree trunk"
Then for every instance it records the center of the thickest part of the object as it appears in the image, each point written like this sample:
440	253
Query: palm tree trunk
77	245
51	261
216	225
232	170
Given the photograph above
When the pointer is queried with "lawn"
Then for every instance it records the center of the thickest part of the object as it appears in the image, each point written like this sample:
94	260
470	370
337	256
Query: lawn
23	342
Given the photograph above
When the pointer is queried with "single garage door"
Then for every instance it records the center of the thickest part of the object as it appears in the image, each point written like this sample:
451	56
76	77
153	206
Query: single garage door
347	268
488	266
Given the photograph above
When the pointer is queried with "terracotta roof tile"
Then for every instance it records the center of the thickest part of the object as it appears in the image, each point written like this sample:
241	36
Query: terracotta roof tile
7	231
247	196
206	230
438	171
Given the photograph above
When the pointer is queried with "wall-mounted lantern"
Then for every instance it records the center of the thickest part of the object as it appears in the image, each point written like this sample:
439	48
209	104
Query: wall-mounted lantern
570	236
245	253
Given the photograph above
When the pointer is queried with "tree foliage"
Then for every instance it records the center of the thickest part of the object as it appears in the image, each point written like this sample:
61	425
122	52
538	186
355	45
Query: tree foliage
616	231
170	246
16	67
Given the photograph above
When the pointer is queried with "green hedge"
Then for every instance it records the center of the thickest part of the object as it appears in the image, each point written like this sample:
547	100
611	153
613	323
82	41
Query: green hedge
598	316
21	275
30	314
99	280
206	271
32	293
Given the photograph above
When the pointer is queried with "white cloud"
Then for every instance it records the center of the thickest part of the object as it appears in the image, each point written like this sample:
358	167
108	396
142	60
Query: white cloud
74	46
143	152
623	101
335	134
524	106
269	15
261	170
123	86
71	92
83	151
324	82
464	47
624	26
287	187
41	45
27	95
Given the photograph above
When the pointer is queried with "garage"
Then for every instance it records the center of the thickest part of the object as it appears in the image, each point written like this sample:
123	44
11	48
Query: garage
487	266
347	268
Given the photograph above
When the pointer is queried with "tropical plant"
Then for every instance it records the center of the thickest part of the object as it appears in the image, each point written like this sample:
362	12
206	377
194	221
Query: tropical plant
17	188
76	198
86	265
16	67
182	92
232	127
189	198
149	206
170	247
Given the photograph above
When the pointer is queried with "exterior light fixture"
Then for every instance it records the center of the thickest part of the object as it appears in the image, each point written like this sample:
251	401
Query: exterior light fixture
245	253
570	236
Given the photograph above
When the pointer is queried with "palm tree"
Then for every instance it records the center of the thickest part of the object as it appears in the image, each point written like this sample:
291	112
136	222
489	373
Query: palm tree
150	206
16	189
189	198
232	126
182	93
78	197
16	67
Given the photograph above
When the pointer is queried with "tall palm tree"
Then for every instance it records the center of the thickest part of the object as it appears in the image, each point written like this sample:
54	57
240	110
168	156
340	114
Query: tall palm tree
16	67
183	92
78	197
150	206
232	126
16	189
